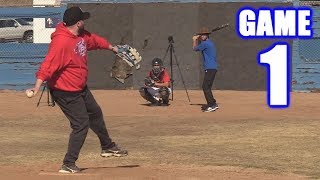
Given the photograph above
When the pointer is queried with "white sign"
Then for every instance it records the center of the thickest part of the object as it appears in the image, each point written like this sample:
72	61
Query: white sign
44	27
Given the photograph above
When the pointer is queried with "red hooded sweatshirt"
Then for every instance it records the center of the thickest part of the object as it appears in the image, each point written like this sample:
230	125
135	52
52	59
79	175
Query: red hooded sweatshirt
65	66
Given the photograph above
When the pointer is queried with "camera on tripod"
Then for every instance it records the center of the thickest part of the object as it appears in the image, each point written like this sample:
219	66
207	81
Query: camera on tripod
172	53
170	39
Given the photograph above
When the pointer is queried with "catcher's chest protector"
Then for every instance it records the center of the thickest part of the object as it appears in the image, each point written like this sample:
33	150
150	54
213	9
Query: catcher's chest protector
157	77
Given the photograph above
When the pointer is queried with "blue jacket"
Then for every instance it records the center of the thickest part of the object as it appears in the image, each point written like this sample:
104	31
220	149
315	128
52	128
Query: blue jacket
208	50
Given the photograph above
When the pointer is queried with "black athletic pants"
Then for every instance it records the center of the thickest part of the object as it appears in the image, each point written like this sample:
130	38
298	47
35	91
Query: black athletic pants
83	113
209	76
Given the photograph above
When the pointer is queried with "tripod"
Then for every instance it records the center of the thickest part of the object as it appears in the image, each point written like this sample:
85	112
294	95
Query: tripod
172	52
50	103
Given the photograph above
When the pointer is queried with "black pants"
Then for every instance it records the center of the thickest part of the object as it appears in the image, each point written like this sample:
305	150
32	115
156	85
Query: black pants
209	76
83	113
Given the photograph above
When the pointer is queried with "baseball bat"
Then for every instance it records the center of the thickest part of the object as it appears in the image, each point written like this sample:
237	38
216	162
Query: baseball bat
220	27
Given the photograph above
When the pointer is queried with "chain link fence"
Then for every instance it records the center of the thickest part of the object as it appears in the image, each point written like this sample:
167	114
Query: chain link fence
25	33
309	49
306	55
24	36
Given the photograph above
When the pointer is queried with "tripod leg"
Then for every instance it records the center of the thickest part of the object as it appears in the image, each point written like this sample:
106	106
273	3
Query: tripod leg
172	90
44	87
171	79
50	100
165	55
184	84
53	103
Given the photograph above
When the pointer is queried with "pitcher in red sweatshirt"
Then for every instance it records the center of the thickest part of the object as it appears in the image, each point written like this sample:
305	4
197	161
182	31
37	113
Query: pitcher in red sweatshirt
66	71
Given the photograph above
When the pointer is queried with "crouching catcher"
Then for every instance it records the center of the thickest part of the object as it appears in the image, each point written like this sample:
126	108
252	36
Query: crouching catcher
157	85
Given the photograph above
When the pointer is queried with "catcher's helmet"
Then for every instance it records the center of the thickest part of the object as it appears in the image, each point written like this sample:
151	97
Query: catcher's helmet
157	61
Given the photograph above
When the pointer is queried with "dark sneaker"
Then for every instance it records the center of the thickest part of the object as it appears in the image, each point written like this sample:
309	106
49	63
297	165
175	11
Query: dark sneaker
155	104
114	151
69	169
211	108
165	102
203	107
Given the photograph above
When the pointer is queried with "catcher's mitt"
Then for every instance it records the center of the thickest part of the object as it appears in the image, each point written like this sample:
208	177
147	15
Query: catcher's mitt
129	55
149	82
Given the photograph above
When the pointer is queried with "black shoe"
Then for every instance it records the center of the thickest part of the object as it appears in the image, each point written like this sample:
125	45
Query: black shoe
165	102
211	108
69	169
205	106
155	104
114	151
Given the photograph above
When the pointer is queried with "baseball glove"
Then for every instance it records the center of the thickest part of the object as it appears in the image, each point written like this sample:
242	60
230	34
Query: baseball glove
129	55
149	82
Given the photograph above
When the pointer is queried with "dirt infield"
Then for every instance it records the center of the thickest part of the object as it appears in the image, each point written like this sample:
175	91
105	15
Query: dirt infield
244	139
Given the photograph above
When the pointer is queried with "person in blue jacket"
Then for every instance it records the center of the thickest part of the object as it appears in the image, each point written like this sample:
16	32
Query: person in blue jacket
202	43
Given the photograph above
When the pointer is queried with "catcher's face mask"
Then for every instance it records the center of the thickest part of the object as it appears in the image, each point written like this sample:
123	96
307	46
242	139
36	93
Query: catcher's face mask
156	68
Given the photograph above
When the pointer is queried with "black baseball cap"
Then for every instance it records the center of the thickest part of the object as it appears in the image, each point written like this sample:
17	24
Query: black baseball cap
74	14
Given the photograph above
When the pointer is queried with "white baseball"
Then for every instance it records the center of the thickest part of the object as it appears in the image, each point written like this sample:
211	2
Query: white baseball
29	93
